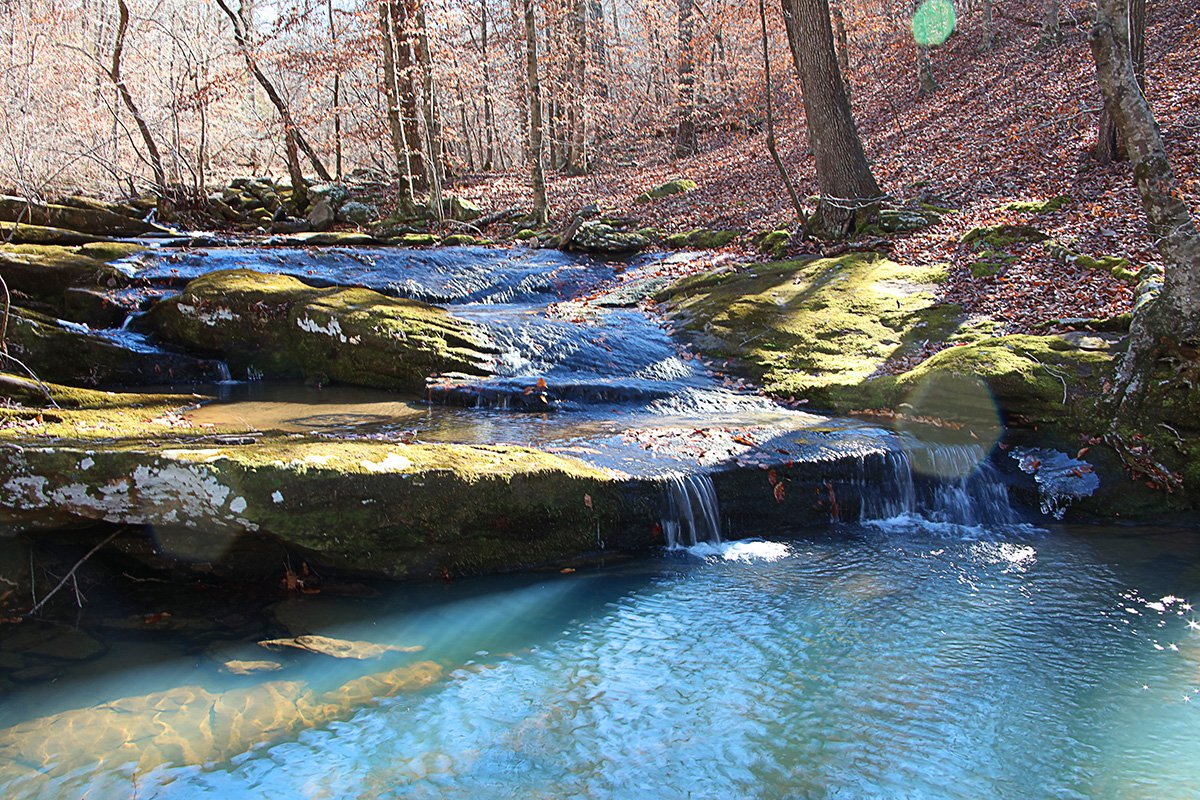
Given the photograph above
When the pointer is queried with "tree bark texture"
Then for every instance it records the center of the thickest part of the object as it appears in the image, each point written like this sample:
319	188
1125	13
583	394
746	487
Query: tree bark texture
1109	145
537	177
843	175
152	154
686	140
1168	325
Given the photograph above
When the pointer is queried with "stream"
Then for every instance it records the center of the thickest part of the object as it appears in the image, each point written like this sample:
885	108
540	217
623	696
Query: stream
936	643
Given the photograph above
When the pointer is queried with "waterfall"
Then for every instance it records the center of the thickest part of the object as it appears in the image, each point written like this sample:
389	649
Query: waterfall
691	511
952	484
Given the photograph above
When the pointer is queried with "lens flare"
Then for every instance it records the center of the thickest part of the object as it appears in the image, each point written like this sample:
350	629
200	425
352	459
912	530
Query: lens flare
951	410
933	22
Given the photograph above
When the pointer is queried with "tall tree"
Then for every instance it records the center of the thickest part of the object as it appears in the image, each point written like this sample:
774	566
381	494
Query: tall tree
533	138
1108	141
686	141
843	174
1169	327
152	155
391	90
293	139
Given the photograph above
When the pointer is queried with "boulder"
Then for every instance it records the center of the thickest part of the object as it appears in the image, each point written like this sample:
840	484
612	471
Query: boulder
283	328
24	233
335	193
701	239
93	307
675	186
356	213
600	237
321	215
459	240
45	272
463	210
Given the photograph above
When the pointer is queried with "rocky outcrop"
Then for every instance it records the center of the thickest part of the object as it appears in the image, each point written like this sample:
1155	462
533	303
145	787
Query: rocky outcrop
44	273
70	353
277	326
389	509
98	219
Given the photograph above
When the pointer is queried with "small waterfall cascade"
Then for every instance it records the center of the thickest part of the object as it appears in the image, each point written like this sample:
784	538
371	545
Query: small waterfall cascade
953	484
692	514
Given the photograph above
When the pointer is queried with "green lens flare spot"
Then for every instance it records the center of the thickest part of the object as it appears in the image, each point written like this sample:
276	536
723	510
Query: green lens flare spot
933	23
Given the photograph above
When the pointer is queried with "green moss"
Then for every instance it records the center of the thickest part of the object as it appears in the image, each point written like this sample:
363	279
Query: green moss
1039	206
676	186
111	251
525	234
329	238
812	328
1117	267
701	239
775	243
38	234
29	393
459	240
282	327
990	262
415	240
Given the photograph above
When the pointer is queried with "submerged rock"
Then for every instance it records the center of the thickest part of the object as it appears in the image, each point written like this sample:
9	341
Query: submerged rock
281	327
338	648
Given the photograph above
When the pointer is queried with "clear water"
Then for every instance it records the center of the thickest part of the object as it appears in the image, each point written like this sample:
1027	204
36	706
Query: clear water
881	661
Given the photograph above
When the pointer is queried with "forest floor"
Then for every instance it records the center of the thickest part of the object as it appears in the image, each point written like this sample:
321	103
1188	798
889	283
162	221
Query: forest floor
1011	123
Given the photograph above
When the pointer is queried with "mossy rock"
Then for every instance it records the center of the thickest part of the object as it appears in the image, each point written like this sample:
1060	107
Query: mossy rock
900	220
102	221
600	237
71	354
525	234
775	243
22	233
283	328
809	328
461	209
701	239
990	263
414	240
44	272
326	238
394	510
459	240
676	186
33	394
1115	266
1000	236
1039	206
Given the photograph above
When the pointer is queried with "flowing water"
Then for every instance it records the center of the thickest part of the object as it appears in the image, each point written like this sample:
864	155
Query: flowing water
939	646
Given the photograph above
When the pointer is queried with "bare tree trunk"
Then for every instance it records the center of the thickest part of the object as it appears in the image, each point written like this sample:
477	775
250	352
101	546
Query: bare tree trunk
771	146
686	140
407	69
1169	326
434	166
541	209
843	174
391	92
1051	29
1109	146
489	118
337	98
160	179
577	152
293	139
989	26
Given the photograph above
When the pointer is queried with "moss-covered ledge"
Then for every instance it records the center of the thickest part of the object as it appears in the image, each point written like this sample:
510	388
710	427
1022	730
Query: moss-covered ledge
811	328
395	510
279	327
